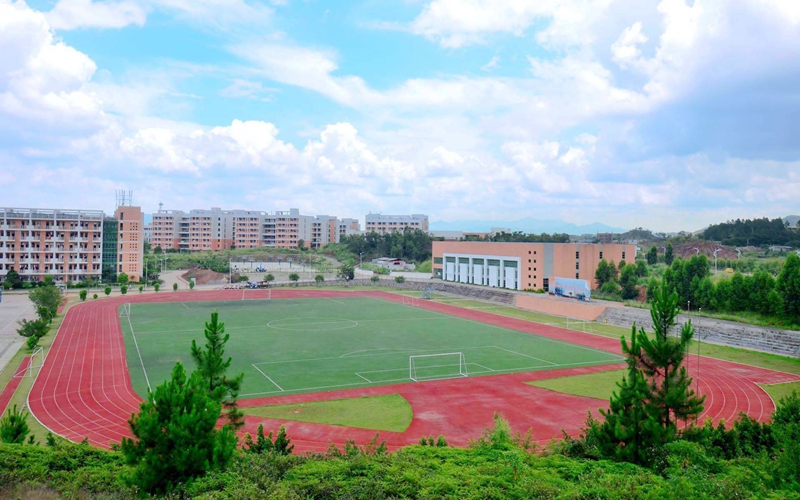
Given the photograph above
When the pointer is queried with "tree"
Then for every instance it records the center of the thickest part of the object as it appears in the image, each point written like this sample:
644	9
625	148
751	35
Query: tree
628	283
156	287
669	254
212	365
82	294
123	289
661	363
158	249
141	288
174	287
263	444
269	279
319	279
294	277
47	299
12	280
652	255
628	431
33	330
301	244
107	290
602	274
346	272
123	279
651	287
283	444
788	287
176	435
641	269
191	284
14	426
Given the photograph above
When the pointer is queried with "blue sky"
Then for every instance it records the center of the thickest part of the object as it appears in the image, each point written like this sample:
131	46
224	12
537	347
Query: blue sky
667	114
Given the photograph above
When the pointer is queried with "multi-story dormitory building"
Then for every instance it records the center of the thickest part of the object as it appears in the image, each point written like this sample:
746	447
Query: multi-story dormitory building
218	229
70	245
390	223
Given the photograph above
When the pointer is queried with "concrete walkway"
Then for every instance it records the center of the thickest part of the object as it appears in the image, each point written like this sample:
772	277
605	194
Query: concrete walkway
13	307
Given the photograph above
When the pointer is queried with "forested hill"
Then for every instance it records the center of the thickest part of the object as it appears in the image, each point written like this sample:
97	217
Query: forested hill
754	232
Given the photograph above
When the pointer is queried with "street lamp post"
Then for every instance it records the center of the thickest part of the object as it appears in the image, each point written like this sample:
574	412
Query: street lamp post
361	260
715	259
230	282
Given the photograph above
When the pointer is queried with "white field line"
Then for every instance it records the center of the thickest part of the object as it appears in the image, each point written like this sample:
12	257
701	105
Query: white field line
365	378
184	305
525	355
144	370
268	378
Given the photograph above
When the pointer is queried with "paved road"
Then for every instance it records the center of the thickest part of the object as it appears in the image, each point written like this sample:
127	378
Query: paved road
12	308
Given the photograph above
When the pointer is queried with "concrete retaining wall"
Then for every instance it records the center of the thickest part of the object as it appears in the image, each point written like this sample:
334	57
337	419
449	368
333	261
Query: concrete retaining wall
713	331
560	307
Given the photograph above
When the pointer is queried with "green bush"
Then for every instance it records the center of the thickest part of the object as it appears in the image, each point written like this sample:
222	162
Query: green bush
82	294
375	279
174	287
107	290
399	279
123	289
94	296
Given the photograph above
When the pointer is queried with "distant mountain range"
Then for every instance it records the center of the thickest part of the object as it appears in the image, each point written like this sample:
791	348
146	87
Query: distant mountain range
527	225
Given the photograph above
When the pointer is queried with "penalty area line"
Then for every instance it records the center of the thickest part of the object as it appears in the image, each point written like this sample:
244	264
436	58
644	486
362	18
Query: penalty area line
268	378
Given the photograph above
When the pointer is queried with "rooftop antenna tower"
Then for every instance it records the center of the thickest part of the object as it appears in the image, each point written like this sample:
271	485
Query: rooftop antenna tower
160	206
124	198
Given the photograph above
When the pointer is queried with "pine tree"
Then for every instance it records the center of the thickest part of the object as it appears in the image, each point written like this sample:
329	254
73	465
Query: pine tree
628	431
176	435
14	426
212	365
652	255
669	254
660	361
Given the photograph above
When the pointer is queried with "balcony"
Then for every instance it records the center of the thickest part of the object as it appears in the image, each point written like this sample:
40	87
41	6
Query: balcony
77	239
56	239
30	239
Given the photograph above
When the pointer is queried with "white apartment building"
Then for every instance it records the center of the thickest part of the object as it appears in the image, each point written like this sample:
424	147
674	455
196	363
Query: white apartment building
64	244
390	223
218	229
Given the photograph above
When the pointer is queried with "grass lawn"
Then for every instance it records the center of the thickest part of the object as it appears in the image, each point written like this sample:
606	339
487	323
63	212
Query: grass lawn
780	391
381	413
594	385
286	346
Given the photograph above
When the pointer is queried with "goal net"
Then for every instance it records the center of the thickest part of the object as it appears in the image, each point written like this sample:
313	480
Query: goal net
410	301
36	361
423	367
125	310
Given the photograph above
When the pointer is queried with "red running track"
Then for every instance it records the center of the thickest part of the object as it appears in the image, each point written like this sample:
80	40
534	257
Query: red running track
84	388
11	387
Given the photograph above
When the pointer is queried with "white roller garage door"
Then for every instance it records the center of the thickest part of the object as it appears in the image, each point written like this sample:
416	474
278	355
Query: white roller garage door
463	272
511	277
450	271
494	272
477	274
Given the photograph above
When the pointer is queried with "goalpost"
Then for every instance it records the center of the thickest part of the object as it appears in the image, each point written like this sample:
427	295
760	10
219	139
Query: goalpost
410	301
424	367
36	362
125	312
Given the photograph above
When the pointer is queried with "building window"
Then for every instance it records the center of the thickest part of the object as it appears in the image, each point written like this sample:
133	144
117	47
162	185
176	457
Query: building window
529	252
601	255
577	276
577	266
577	255
623	255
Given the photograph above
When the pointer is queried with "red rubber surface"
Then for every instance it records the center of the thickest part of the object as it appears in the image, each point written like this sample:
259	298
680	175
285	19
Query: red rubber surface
84	388
11	387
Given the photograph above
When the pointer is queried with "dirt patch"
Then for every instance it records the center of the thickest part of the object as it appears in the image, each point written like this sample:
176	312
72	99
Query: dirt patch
689	250
205	277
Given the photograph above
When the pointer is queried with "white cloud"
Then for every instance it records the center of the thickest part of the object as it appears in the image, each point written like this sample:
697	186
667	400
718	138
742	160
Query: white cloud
42	80
493	63
625	50
72	14
248	89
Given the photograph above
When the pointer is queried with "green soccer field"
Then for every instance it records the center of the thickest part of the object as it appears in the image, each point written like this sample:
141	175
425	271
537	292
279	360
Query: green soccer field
290	346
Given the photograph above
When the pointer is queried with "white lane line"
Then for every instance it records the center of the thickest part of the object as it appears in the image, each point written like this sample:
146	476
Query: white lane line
268	378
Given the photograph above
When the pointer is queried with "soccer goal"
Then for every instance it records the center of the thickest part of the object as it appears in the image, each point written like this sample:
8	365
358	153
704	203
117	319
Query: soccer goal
125	311
424	367
410	301
36	361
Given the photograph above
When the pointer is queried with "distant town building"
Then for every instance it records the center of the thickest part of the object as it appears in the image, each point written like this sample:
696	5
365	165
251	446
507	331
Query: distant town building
390	223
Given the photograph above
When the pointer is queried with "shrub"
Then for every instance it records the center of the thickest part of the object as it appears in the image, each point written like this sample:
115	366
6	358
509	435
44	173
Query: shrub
399	279
156	287
375	279
82	294
107	290
191	284
319	279
174	287
94	296
123	289
141	288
